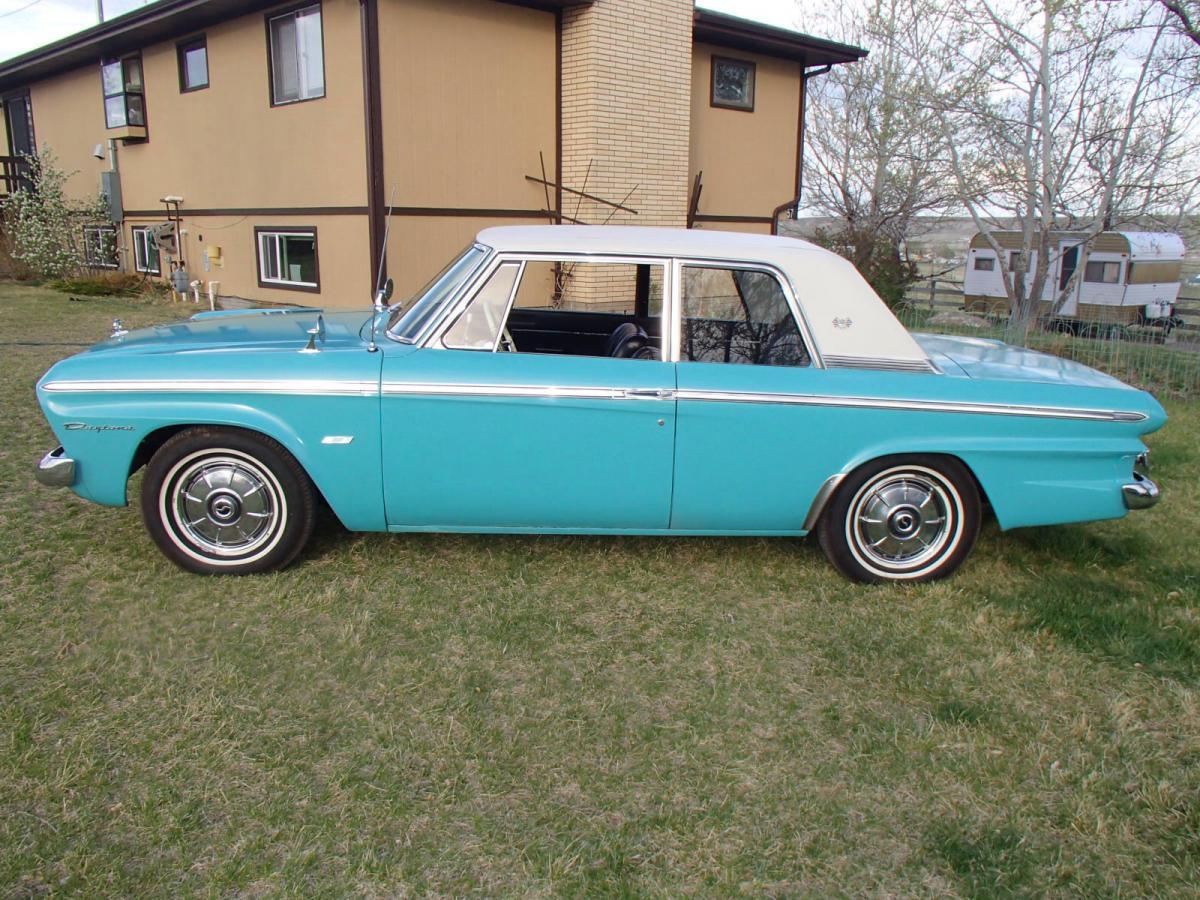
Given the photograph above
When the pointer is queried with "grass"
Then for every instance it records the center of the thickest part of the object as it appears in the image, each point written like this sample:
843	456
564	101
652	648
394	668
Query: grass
397	715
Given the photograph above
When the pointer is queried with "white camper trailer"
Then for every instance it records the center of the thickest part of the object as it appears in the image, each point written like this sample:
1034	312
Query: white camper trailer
1129	277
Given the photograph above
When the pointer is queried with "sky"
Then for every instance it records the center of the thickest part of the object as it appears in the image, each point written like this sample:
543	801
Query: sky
28	24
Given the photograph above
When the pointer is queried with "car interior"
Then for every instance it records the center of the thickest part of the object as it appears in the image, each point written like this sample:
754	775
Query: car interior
619	319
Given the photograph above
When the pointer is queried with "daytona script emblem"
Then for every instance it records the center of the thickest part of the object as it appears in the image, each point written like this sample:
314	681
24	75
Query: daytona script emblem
84	426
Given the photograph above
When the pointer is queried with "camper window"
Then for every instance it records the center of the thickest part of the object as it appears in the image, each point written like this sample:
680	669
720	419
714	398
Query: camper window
985	263
1102	272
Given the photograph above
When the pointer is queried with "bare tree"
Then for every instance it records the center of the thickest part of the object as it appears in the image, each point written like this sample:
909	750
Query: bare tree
871	161
1060	114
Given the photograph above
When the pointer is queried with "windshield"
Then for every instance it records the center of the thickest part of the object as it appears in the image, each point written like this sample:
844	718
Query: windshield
409	317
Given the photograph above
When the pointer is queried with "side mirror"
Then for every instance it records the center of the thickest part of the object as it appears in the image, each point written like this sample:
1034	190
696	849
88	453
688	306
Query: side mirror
385	294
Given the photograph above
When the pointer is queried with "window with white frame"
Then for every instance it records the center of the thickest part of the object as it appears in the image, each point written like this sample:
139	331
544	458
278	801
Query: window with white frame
100	246
985	263
297	56
1102	272
287	257
145	252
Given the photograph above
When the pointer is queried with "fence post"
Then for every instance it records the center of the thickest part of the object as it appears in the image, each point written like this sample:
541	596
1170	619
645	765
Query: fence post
932	293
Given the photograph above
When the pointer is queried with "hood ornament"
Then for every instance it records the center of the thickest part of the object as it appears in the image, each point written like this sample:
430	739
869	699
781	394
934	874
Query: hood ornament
117	329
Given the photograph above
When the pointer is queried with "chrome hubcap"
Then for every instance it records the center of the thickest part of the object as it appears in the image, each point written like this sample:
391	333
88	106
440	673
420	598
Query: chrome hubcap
225	505
903	519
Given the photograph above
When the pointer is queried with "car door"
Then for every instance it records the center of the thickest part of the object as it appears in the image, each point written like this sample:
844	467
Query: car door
480	433
745	462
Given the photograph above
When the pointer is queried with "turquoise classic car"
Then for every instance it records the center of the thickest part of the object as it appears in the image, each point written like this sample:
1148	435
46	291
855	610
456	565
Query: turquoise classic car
597	380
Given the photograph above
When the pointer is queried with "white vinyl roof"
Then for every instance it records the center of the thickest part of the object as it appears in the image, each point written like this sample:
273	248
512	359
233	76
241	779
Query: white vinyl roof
847	319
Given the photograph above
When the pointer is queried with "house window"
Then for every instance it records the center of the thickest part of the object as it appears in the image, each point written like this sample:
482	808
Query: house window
985	263
193	64
124	93
145	252
1102	272
100	246
287	257
297	58
732	83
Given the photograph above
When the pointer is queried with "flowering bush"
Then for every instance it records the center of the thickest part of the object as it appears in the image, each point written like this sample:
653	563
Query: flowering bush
43	227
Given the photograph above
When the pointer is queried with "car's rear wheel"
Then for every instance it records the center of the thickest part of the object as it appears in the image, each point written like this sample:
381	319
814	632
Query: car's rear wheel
226	501
909	518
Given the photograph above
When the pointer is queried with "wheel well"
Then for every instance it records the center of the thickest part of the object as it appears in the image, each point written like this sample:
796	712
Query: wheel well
983	497
150	444
155	439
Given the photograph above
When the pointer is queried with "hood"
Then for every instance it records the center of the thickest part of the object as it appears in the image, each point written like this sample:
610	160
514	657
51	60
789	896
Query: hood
246	330
996	360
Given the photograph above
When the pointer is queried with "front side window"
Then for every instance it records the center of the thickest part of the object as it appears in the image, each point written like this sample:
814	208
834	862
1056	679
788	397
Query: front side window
193	65
567	308
479	325
738	316
288	258
1102	272
124	93
145	252
100	246
297	55
732	83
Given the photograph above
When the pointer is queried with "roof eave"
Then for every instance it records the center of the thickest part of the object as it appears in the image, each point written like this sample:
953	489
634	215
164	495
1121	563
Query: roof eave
743	34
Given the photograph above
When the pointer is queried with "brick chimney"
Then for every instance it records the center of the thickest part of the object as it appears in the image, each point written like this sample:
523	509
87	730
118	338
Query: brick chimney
626	107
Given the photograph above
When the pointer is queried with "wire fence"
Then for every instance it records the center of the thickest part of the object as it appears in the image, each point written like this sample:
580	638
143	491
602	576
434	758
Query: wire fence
1163	360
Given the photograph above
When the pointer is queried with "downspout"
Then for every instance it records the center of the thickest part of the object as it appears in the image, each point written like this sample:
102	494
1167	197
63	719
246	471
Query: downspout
373	132
794	203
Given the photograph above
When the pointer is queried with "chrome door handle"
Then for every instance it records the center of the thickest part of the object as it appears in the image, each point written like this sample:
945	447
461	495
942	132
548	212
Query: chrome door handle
650	393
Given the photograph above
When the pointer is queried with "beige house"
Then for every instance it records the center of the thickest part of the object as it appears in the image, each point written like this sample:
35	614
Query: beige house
283	134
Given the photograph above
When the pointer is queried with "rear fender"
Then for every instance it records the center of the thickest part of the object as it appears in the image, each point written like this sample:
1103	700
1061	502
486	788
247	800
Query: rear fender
1034	481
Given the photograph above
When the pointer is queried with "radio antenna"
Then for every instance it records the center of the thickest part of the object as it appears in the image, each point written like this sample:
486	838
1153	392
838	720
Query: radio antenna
377	304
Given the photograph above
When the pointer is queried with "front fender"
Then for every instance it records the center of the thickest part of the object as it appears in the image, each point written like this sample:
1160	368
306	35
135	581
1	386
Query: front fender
103	432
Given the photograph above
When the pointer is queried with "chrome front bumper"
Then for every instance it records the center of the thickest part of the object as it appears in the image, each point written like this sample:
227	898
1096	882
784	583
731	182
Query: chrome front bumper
1141	493
56	470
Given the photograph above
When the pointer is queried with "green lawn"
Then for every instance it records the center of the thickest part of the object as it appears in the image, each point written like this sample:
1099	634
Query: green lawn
519	715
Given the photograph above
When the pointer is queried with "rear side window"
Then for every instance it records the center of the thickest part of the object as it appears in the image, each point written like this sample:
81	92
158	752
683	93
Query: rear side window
738	316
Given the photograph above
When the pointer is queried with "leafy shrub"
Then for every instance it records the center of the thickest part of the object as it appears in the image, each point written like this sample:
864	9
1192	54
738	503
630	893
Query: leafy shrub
43	227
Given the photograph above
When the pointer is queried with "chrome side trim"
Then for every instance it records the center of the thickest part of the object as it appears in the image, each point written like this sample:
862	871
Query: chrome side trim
824	495
395	388
1141	493
880	364
995	409
56	470
392	388
306	387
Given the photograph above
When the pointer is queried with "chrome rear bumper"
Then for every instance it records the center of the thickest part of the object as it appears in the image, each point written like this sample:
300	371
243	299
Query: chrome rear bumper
56	470
1141	493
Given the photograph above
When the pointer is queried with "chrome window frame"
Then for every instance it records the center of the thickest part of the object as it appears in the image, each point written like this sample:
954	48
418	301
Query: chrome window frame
482	269
785	285
512	293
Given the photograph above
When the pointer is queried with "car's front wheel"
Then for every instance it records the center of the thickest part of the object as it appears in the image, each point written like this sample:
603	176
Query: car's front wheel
226	501
909	518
